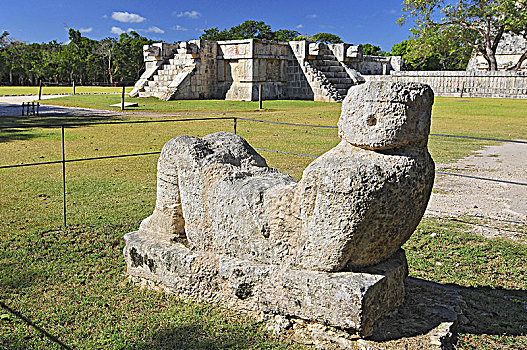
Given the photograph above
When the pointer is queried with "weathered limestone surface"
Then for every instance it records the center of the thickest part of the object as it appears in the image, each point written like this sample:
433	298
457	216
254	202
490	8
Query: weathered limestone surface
362	205
375	117
345	299
497	84
428	319
227	227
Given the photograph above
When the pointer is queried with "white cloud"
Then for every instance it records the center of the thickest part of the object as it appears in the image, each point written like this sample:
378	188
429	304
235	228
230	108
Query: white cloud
392	11
154	29
86	30
179	28
105	16
117	30
314	15
127	17
131	30
300	26
190	14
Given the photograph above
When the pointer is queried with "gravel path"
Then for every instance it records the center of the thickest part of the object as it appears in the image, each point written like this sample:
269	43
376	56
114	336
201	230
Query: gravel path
494	208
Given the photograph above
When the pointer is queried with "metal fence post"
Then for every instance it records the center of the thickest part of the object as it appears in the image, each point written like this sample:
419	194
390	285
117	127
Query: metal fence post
235	120
122	99
260	96
63	177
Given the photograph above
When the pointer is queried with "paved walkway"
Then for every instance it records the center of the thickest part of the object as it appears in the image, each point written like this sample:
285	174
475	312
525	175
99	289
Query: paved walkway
11	106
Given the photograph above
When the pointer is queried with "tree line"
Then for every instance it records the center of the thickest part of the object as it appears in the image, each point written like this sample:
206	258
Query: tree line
81	60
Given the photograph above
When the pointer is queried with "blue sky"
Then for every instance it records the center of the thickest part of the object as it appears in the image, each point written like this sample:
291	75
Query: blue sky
355	21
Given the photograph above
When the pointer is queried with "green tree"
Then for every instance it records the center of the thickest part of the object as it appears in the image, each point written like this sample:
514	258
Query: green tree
303	37
285	35
371	50
437	48
107	50
480	23
400	49
251	30
214	34
516	25
13	54
3	55
129	56
326	38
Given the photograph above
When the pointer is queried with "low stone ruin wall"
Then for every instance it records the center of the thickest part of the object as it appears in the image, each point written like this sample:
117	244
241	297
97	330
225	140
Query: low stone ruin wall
473	84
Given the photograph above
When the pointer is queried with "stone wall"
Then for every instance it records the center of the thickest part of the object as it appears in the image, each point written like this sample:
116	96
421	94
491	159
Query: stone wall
297	84
501	84
378	65
201	81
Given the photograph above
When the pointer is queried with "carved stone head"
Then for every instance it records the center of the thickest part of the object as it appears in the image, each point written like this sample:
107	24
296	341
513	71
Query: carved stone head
383	115
152	52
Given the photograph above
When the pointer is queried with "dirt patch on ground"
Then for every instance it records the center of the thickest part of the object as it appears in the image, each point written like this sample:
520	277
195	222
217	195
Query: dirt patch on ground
491	208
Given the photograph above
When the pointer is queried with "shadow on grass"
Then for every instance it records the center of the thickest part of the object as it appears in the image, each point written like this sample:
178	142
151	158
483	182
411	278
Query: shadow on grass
193	336
17	279
494	311
7	135
485	311
59	117
33	325
18	128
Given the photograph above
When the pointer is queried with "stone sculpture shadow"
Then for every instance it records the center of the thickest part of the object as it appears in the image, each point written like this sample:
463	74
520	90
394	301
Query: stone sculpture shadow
494	311
429	307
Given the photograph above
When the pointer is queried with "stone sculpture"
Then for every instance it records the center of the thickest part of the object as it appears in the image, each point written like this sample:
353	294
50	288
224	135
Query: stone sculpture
226	227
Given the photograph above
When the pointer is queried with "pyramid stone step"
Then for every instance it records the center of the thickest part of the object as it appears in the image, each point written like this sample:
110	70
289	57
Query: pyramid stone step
331	62
342	86
323	63
340	80
343	74
338	68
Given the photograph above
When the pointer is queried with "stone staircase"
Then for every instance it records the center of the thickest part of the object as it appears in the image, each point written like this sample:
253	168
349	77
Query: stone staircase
159	84
327	64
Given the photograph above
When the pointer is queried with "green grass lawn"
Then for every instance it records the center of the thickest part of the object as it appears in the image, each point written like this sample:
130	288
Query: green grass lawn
56	90
71	282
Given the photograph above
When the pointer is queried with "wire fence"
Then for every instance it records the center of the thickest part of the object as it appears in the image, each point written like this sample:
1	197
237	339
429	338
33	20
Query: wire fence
235	120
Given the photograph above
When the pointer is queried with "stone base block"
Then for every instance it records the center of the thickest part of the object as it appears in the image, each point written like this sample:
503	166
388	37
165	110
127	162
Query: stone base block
351	301
428	319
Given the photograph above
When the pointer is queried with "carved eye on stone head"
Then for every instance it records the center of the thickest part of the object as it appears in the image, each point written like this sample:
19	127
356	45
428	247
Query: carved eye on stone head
372	120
